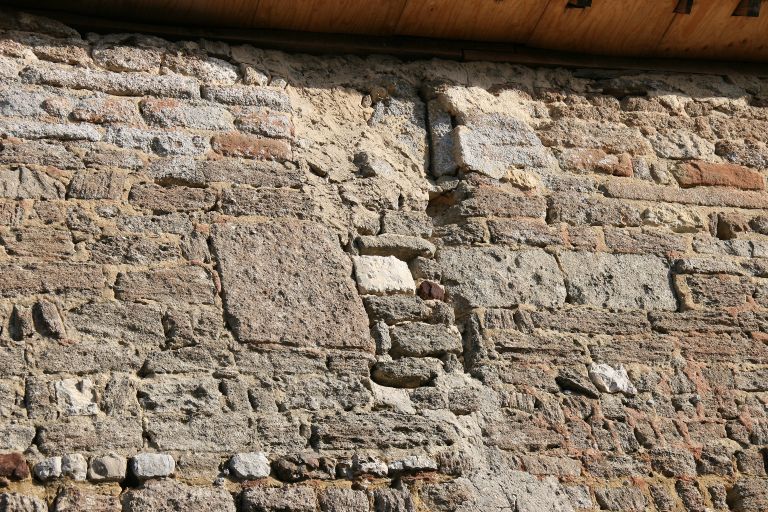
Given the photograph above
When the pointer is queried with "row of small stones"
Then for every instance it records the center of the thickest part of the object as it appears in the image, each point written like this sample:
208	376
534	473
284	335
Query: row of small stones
243	466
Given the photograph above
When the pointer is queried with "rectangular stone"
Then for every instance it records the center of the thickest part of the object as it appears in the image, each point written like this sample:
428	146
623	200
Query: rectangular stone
626	188
257	173
171	199
163	143
645	241
487	201
174	113
249	96
622	281
273	293
62	278
524	231
118	84
698	173
189	284
123	435
380	430
43	243
240	145
591	321
495	277
28	129
96	184
268	202
23	183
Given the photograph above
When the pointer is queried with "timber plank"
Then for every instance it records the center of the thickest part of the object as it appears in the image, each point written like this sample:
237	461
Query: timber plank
609	27
711	31
489	20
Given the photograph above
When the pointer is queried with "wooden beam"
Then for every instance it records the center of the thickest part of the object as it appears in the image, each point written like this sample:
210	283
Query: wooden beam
405	47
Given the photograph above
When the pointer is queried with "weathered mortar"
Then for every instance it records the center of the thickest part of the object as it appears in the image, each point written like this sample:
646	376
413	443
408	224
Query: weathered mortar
385	286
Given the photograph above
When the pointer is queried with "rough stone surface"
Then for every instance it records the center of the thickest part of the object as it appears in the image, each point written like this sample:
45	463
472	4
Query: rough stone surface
339	283
152	465
269	277
249	466
383	275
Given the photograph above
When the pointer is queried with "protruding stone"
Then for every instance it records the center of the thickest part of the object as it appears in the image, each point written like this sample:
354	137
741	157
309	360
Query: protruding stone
412	464
76	397
401	246
406	372
152	465
48	469
611	380
74	466
250	466
108	468
383	275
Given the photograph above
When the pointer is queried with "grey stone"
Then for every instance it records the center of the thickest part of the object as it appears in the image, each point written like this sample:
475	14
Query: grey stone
406	223
611	380
493	143
152	465
269	282
108	468
96	184
14	502
284	499
118	84
412	464
621	281
343	500
415	339
406	372
629	499
401	246
23	183
392	500
749	494
28	129
76	397
170	496
249	96
441	140
495	277
383	275
673	462
74	466
189	284
250	466
163	143
48	469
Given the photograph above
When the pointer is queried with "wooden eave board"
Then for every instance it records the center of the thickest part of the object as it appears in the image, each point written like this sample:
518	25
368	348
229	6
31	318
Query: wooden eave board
609	27
491	20
339	16
711	31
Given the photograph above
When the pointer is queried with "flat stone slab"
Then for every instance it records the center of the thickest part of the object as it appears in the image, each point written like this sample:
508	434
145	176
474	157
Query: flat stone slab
497	277
289	282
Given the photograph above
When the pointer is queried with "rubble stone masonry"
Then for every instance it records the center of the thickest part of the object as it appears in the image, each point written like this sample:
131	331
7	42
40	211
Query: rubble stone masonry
241	280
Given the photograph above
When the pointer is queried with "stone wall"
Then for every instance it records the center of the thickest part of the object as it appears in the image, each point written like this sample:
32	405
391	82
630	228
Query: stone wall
236	279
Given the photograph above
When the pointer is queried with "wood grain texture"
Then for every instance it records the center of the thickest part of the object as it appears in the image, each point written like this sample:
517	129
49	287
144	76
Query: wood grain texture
630	28
609	27
490	20
711	31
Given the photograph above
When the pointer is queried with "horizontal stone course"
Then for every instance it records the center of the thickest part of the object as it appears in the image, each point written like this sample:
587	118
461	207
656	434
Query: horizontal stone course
351	284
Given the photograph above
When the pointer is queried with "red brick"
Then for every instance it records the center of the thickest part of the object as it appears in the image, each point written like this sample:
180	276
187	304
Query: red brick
707	174
249	146
13	466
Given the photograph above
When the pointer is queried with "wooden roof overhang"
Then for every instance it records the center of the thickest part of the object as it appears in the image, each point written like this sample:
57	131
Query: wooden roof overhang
720	30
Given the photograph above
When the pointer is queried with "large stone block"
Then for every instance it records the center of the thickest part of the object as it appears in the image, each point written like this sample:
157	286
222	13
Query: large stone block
170	496
495	277
624	281
274	291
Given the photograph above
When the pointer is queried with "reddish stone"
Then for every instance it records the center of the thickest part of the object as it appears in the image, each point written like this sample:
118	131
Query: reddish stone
597	160
429	290
249	146
13	466
708	174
